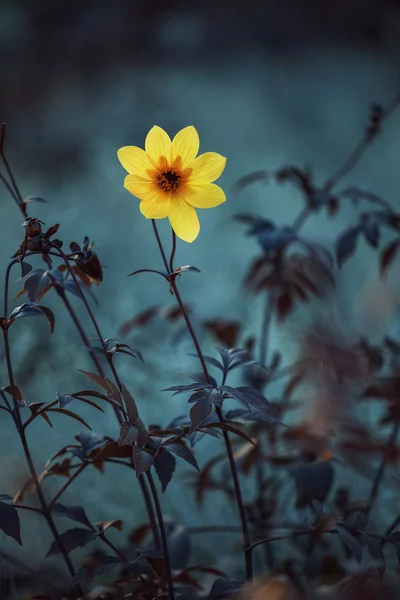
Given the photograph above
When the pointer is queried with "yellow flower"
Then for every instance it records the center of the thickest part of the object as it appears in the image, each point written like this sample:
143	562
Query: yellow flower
170	181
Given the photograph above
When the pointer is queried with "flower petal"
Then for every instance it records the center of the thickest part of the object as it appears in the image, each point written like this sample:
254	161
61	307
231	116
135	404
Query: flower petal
135	160
184	220
207	167
140	187
157	207
185	145
157	144
206	195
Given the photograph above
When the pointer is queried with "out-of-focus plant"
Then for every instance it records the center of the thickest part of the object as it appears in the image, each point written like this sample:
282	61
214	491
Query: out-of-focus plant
325	541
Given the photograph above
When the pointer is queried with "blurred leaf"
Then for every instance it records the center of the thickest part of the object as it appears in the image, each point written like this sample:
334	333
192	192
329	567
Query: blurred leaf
223	587
313	481
72	539
9	522
388	255
350	542
284	305
75	513
249	179
165	465
179	544
225	332
355	195
34	199
346	245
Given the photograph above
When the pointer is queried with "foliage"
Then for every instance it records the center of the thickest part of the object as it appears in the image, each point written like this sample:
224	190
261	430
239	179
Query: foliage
323	534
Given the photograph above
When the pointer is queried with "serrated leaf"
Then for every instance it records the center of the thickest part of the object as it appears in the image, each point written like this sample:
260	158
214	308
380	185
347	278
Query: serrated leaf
142	461
200	411
130	405
128	435
9	522
72	539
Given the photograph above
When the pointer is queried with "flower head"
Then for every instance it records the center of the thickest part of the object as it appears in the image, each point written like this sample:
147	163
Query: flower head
170	181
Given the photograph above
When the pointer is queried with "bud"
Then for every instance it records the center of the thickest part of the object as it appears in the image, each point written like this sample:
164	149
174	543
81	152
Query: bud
87	260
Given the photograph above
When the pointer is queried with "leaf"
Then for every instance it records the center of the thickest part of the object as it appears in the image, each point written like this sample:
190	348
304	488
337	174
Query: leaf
31	309
346	245
115	524
130	405
101	564
187	268
165	465
68	413
142	461
179	544
355	194
371	233
9	522
350	542
313	481
72	539
284	305
183	452
226	332
210	360
64	400
224	425
75	513
258	402
128	435
25	268
388	255
34	199
251	178
90	441
200	411
224	587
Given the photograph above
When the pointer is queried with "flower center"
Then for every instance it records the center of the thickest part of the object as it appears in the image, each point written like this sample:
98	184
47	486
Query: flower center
169	180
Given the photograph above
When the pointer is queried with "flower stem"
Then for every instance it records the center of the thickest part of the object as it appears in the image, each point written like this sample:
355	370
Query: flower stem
238	492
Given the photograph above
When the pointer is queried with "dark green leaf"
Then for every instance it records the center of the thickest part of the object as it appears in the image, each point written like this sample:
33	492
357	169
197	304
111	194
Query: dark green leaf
164	464
76	513
72	539
9	522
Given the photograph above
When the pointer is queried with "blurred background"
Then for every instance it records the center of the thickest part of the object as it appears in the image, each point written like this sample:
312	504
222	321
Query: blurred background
266	83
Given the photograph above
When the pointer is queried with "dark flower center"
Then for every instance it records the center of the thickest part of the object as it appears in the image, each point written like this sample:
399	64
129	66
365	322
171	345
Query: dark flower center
169	180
